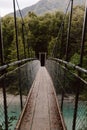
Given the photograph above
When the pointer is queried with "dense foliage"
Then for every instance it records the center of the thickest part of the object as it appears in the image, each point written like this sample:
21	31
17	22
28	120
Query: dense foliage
41	35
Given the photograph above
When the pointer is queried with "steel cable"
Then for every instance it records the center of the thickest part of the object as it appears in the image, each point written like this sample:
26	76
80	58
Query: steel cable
66	10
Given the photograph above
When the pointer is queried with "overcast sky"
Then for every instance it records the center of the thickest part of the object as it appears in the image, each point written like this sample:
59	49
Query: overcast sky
6	6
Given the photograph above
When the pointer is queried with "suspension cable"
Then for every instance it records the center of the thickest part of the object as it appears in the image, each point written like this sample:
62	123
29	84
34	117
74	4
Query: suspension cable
66	10
20	11
23	25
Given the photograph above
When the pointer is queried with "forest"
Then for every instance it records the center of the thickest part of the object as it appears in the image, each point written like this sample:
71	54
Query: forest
43	34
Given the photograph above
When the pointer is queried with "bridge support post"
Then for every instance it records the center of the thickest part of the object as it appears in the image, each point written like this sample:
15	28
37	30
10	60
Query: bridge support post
17	47
62	99
23	38
83	35
2	82
61	46
69	29
76	108
80	64
28	48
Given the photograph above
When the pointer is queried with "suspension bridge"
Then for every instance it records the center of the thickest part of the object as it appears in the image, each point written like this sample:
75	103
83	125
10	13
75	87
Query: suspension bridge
44	94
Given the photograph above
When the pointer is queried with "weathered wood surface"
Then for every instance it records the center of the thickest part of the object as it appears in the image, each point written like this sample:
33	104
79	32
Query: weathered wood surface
41	111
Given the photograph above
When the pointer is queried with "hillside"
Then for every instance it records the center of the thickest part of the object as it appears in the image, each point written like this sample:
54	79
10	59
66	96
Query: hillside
44	6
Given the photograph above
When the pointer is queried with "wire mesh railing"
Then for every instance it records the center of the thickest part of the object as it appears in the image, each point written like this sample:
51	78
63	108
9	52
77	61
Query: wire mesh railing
16	84
67	83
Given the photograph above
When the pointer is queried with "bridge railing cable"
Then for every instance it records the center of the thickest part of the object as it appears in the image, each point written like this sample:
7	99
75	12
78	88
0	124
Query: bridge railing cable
10	87
66	82
71	79
10	79
16	79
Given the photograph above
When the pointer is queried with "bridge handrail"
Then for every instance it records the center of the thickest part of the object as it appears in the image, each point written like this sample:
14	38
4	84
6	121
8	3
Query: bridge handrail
69	64
15	63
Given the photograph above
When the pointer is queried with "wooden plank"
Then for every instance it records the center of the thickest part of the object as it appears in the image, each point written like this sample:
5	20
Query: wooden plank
41	112
41	116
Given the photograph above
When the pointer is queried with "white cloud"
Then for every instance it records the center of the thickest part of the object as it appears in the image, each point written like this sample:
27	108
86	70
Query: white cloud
7	6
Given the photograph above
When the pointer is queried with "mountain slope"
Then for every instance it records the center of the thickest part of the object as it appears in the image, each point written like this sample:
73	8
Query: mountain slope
44	6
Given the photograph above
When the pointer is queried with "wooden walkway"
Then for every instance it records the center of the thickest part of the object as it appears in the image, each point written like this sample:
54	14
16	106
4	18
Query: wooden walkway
41	111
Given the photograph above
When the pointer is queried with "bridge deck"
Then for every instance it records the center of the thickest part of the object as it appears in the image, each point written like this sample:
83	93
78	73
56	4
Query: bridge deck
41	110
